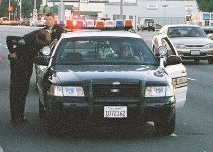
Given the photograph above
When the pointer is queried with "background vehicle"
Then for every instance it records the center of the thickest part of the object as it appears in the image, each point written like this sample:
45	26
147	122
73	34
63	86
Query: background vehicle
4	21
92	83
146	24
191	43
37	22
25	22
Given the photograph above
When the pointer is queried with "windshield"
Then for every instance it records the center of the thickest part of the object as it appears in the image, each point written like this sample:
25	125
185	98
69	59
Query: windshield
149	20
103	50
186	32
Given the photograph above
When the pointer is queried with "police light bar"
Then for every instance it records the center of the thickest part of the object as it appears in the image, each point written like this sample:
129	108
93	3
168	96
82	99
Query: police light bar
126	24
100	24
70	24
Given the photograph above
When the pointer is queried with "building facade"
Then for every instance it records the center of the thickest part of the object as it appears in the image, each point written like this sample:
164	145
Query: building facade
162	11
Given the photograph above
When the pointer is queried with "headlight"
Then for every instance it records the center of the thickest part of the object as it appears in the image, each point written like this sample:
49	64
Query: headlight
159	91
180	46
209	45
72	91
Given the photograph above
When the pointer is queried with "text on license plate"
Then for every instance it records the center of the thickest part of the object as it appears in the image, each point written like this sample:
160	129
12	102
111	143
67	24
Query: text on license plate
115	111
195	52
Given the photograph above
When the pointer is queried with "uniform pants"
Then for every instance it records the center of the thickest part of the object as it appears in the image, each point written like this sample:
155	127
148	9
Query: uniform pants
19	87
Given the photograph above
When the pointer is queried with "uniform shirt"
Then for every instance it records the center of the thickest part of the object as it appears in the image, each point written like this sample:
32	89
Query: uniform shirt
55	32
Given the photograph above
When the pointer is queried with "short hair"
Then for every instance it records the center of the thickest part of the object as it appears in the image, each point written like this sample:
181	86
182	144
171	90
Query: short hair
50	14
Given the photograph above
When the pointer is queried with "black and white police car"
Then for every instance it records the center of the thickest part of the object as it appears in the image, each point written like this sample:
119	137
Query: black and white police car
88	79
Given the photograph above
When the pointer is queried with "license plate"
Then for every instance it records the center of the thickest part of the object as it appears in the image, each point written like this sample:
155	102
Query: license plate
115	111
195	52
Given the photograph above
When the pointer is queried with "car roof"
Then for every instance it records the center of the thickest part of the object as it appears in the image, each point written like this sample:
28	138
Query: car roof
95	33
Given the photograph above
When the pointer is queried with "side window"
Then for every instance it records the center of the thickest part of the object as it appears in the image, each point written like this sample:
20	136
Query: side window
155	46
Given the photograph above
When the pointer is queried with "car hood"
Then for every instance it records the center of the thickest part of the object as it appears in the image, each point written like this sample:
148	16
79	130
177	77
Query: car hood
64	74
192	40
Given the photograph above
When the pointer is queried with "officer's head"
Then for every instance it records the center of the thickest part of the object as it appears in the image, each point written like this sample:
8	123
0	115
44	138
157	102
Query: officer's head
43	38
50	20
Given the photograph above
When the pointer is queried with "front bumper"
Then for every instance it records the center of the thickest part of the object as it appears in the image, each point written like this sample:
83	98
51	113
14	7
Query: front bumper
194	53
148	110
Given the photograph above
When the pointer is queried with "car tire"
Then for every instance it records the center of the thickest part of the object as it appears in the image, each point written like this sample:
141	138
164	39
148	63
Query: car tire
150	24
51	122
165	126
210	60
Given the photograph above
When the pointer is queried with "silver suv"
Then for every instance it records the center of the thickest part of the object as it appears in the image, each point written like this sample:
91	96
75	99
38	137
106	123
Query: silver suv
146	24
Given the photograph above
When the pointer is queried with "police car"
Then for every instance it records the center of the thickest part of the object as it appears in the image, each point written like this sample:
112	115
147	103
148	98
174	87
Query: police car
87	79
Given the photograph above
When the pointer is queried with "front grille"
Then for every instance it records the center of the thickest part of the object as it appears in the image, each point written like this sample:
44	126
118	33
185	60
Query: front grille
129	91
194	46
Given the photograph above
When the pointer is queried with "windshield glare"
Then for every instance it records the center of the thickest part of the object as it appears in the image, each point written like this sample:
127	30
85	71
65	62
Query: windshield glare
103	50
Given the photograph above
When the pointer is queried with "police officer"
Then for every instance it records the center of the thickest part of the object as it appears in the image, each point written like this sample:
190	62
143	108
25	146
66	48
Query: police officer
54	29
21	66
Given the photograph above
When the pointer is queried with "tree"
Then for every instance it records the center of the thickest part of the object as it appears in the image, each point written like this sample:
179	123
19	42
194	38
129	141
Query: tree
205	5
27	7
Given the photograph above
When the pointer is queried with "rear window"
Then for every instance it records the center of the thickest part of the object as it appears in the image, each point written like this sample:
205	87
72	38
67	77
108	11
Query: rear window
149	20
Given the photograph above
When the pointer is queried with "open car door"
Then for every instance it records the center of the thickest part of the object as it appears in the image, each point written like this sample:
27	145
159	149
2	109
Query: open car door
177	72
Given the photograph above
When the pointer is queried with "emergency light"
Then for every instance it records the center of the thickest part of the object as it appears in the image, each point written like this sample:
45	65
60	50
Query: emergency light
72	24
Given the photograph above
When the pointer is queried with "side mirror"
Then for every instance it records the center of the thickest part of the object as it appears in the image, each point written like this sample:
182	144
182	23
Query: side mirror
173	59
46	50
162	51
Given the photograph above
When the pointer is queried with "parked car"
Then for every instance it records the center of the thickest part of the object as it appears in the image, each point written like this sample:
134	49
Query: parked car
4	21
25	22
190	41
87	81
39	23
146	24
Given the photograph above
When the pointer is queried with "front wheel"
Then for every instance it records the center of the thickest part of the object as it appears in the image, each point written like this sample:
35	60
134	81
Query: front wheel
165	126
210	60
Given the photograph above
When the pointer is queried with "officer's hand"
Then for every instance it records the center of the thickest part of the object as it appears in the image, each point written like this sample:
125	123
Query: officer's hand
13	55
55	41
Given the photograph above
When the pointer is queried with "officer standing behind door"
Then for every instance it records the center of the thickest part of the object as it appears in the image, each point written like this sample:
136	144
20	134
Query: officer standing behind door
21	66
52	28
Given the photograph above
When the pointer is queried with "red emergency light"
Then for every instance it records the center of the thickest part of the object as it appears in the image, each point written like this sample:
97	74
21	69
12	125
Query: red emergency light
70	24
100	24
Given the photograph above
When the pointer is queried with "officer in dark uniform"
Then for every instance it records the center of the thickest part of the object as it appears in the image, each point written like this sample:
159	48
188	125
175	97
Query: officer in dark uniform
54	29
22	51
